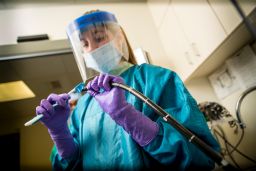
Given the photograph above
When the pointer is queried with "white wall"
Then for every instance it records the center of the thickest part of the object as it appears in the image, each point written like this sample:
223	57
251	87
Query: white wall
201	90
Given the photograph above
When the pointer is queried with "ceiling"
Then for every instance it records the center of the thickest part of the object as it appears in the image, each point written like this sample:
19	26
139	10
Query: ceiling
43	75
9	4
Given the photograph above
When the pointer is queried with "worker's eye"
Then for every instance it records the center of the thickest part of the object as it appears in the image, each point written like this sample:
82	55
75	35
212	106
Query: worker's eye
85	44
100	36
100	39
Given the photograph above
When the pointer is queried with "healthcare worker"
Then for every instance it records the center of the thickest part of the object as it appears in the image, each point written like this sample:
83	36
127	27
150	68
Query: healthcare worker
111	129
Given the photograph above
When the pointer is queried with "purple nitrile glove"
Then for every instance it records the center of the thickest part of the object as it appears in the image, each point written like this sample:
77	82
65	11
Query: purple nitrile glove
112	100
55	119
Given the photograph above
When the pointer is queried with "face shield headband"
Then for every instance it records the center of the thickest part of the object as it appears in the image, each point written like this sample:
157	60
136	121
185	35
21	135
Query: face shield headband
84	22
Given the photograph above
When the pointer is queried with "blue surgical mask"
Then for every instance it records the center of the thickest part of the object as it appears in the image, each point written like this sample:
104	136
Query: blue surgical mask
103	59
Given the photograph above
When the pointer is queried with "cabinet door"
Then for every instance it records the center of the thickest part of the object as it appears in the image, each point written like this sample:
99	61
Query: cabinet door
201	26
176	45
158	9
227	13
247	6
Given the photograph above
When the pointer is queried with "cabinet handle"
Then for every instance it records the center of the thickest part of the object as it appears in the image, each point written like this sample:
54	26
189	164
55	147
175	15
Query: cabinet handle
190	62
195	49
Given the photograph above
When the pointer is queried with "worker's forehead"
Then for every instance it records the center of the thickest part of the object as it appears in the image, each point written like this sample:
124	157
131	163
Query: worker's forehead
94	30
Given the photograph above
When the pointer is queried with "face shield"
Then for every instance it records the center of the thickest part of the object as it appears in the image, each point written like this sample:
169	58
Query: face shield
96	39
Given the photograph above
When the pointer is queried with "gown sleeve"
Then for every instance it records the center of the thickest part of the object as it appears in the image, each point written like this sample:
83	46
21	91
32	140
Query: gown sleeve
73	163
170	147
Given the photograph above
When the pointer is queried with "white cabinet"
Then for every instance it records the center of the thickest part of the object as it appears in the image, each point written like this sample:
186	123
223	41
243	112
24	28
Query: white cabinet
193	32
190	33
201	26
158	9
227	13
176	45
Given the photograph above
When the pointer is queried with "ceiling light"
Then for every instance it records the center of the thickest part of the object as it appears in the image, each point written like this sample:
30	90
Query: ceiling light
15	90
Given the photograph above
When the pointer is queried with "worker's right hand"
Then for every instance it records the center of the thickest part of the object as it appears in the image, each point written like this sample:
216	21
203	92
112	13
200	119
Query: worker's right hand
55	118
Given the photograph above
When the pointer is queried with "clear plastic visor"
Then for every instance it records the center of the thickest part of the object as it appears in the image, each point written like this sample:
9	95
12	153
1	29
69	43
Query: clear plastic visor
89	39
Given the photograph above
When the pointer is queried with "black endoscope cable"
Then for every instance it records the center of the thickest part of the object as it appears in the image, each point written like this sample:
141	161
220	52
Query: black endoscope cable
215	156
234	147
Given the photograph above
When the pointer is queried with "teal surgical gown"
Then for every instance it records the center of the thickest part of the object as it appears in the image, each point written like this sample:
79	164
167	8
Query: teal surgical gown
104	145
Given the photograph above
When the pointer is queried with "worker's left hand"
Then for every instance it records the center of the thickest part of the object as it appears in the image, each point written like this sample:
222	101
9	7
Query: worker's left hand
111	99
